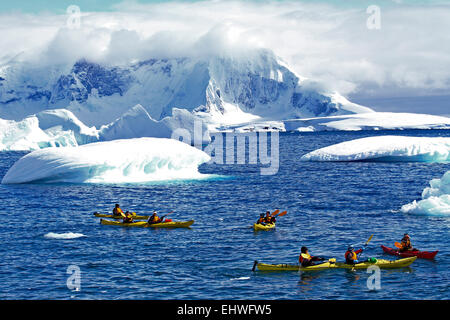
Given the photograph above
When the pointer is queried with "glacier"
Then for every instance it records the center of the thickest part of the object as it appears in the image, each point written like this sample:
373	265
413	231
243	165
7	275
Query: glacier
385	148
435	199
120	161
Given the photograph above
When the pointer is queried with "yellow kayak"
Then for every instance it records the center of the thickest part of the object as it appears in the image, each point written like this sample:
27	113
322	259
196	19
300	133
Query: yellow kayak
382	263
258	226
143	224
103	215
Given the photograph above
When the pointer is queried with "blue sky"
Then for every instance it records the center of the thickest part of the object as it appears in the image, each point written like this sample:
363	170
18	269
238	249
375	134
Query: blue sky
59	6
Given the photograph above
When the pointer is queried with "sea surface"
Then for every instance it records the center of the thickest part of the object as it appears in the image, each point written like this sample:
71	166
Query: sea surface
47	228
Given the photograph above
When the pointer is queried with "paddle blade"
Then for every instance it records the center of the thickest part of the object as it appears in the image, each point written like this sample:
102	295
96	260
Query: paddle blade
398	245
282	214
370	238
275	212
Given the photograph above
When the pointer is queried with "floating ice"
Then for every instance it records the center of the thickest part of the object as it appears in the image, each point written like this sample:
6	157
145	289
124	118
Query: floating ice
370	121
137	123
118	161
435	199
385	148
65	236
51	128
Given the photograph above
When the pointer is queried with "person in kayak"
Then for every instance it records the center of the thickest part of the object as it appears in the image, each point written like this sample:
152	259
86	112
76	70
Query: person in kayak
261	219
155	219
305	259
268	219
351	256
117	211
128	218
406	244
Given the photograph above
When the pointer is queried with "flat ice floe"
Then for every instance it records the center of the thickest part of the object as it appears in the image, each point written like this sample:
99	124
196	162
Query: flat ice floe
385	148
435	199
118	161
64	236
369	121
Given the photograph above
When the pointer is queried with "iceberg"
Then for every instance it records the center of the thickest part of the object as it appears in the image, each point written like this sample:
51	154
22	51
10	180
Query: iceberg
369	121
137	123
26	135
50	128
120	161
385	148
63	236
61	128
435	199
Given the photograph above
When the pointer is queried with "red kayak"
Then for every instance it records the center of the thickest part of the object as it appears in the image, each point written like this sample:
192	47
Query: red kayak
405	254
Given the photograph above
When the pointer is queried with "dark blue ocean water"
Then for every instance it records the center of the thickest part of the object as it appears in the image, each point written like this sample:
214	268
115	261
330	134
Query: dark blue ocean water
330	205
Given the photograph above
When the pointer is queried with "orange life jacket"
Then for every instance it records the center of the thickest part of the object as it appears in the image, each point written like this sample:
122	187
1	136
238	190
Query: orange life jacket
117	212
353	257
406	243
304	256
155	219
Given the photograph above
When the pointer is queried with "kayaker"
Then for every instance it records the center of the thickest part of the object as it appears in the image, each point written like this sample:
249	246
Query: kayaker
154	218
305	259
117	211
128	217
351	256
406	244
261	219
268	219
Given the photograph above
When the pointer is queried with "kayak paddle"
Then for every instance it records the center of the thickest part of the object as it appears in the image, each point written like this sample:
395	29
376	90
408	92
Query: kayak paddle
275	212
167	214
282	214
365	245
364	248
398	245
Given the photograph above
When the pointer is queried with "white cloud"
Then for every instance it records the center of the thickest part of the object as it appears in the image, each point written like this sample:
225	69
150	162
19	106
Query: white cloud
409	54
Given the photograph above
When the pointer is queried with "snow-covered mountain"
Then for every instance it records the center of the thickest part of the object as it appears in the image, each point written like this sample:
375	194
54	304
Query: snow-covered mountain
70	105
222	90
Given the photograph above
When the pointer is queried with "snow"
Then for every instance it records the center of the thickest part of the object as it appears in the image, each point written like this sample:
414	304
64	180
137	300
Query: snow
64	120
61	128
135	123
26	135
370	121
228	88
118	161
435	199
385	148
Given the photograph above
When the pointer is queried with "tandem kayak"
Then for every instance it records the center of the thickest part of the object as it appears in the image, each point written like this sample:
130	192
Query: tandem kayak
335	265
419	254
258	226
103	215
143	224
